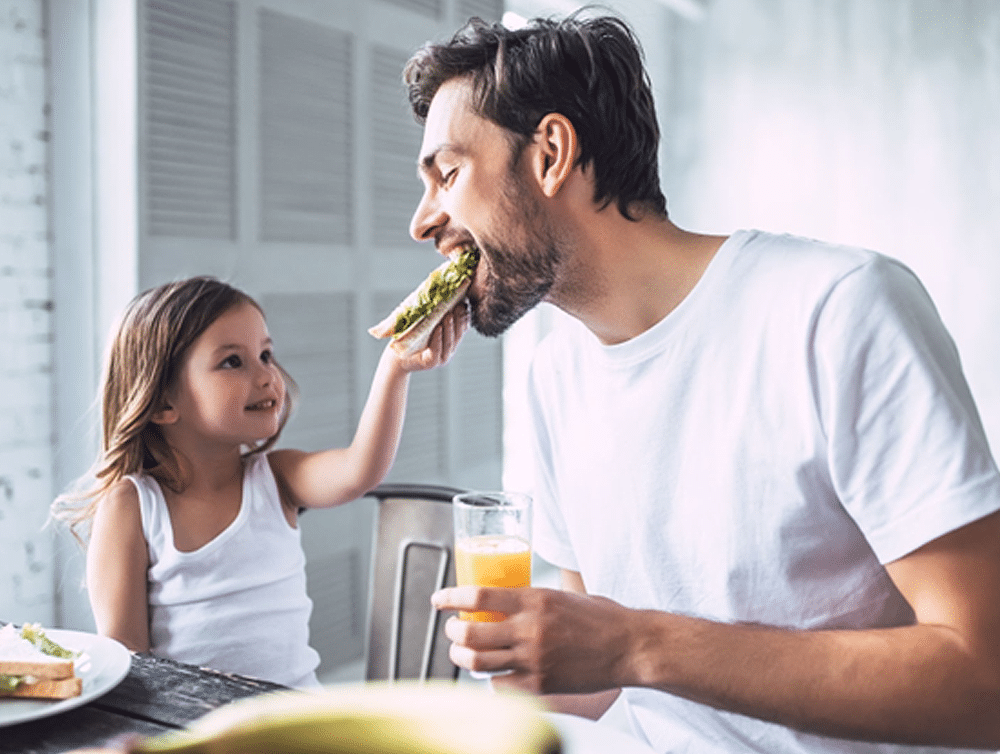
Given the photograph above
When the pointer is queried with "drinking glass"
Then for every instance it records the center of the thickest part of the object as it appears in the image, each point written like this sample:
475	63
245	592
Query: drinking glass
492	545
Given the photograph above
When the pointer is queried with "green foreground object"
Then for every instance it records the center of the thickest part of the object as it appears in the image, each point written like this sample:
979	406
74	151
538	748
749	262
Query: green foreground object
9	683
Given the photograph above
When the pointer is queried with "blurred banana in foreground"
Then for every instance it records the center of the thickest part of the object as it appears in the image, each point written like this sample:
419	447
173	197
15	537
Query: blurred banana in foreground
374	718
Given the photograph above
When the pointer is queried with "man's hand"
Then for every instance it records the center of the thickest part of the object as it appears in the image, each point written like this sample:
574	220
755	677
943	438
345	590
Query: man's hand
554	641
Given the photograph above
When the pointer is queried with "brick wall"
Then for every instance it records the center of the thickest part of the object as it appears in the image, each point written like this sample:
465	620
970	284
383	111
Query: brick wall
26	570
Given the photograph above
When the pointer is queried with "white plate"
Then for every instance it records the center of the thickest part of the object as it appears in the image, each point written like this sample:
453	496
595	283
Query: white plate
583	736
102	664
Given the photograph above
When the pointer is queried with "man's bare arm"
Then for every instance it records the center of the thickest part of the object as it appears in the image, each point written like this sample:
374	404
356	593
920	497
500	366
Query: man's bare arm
935	683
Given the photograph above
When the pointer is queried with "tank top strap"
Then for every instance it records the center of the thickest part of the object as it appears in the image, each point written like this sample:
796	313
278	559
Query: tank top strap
156	526
263	486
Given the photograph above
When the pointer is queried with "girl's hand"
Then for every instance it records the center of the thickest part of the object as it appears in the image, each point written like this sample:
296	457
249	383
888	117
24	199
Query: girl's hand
444	340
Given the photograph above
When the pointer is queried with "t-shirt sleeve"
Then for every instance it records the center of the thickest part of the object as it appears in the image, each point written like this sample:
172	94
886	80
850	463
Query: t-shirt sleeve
550	538
908	453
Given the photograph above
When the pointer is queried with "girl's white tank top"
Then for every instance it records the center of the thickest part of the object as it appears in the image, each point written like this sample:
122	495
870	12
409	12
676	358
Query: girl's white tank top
238	603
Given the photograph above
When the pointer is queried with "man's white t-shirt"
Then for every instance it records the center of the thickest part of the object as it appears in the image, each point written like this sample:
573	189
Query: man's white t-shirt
757	456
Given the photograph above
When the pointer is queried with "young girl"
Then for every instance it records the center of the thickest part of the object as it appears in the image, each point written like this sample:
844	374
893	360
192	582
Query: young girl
194	552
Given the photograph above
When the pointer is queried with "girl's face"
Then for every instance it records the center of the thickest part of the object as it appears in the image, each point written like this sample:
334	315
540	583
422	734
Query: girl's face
228	390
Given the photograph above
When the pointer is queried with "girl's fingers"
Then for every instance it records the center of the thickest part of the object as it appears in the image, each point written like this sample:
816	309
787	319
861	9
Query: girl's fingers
443	341
452	328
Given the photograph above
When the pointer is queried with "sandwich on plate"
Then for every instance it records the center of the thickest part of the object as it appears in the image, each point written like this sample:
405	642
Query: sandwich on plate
35	667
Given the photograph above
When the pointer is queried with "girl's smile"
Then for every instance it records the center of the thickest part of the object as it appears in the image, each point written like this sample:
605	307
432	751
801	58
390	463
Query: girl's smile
263	405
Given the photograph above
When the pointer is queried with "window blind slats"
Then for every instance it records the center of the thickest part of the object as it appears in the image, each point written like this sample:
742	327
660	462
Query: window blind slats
188	151
395	142
429	8
306	135
314	340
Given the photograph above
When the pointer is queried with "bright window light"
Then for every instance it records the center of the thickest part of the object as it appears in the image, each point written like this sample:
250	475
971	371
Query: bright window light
514	21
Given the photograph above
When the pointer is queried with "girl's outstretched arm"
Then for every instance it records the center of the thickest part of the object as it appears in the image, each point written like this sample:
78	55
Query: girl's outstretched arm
117	560
338	475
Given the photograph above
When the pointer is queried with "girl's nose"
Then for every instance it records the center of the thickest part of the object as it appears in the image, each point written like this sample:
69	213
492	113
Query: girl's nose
266	373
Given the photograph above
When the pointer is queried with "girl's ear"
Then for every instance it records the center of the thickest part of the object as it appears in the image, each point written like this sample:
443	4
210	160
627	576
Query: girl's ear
555	155
166	415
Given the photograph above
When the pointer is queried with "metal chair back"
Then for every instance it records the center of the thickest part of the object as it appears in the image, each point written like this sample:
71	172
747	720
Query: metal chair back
413	558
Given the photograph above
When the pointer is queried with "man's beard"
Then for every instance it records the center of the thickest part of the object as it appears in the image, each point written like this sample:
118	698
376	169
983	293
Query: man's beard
519	273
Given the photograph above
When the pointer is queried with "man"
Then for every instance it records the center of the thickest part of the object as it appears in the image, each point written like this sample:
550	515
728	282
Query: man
760	468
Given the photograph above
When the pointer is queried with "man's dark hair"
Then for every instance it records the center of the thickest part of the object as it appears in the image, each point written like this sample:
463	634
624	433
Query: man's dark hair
588	69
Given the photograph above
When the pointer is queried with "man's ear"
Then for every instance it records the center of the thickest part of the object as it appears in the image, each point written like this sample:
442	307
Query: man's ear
555	152
166	415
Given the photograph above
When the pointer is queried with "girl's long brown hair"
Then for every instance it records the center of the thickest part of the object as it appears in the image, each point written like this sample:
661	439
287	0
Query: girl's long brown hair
143	361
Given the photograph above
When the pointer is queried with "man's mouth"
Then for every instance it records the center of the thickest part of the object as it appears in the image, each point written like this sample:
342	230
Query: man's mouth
454	249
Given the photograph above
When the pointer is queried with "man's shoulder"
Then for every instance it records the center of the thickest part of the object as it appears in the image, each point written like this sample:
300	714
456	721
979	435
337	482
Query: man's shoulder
790	250
808	267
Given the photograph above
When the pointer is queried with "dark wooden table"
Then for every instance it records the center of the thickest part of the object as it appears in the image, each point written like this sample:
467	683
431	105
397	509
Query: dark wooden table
157	695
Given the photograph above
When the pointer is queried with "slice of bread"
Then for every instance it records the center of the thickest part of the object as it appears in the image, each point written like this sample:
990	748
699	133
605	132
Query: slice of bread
42	667
47	689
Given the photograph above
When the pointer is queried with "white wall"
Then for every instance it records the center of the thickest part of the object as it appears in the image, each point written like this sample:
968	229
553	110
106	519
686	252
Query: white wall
870	123
26	571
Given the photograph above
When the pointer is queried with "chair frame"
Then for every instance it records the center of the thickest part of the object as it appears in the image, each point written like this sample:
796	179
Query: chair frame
406	547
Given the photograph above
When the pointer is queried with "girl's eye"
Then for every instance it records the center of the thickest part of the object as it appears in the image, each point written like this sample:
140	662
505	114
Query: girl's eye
232	362
449	177
267	357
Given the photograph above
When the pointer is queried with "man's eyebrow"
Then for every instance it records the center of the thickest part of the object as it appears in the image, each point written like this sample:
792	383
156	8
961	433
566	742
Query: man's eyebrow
426	163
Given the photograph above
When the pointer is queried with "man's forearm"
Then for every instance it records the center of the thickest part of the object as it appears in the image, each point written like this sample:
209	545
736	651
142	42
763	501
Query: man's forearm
914	684
591	706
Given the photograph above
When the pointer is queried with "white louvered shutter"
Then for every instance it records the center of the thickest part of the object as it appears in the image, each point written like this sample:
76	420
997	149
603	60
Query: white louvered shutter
306	138
189	118
489	10
395	140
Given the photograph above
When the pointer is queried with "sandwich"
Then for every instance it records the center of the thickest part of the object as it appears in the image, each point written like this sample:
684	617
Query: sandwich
35	667
411	323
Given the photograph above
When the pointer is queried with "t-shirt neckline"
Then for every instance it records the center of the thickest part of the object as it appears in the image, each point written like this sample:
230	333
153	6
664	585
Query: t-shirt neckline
653	340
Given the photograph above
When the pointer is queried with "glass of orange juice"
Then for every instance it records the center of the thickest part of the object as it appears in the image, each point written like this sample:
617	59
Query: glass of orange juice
492	544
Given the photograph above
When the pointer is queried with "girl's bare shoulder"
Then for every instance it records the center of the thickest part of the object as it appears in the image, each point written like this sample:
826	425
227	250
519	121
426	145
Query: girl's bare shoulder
120	499
117	524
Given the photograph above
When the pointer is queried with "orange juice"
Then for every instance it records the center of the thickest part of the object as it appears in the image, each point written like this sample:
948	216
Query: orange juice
492	560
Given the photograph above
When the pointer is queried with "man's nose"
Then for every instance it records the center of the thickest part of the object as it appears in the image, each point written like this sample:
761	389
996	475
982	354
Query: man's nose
428	218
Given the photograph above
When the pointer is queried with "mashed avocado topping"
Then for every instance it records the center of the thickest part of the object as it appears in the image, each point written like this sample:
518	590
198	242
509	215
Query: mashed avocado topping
439	286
